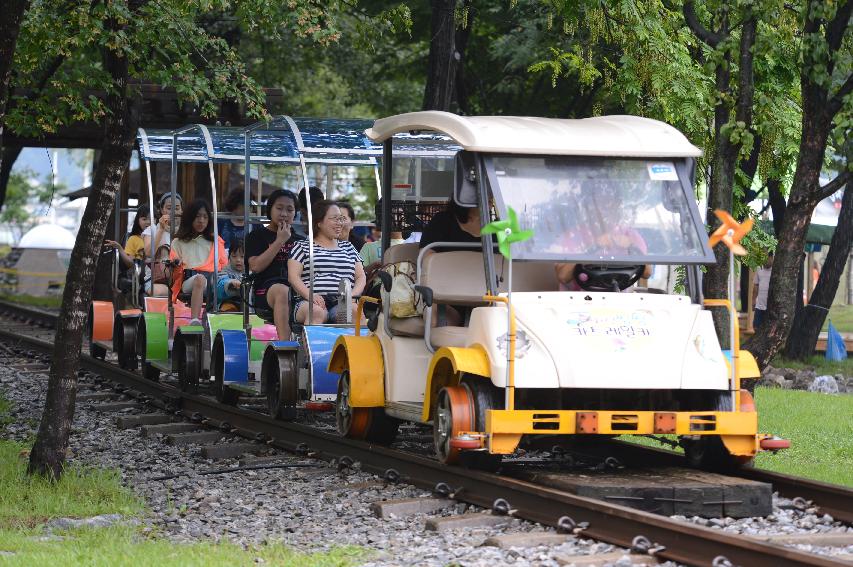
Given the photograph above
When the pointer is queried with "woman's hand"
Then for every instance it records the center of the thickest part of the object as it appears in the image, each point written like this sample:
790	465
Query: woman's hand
111	244
319	301
164	221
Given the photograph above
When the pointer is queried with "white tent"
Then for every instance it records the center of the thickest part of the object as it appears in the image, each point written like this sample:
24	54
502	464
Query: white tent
44	254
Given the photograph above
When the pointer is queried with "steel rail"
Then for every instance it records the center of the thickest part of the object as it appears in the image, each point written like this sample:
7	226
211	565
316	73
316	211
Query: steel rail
677	541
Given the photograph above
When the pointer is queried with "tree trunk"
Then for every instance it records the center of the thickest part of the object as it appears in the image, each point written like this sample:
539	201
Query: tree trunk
820	107
8	156
10	26
784	288
48	454
808	322
443	57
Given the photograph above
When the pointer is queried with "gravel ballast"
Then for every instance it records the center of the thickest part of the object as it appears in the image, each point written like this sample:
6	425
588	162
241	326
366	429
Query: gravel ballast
305	503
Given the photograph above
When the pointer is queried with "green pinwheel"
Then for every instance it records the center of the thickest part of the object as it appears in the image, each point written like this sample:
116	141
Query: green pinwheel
507	232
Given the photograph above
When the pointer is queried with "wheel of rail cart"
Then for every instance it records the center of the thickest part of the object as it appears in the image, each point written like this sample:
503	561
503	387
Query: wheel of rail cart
280	374
484	396
186	357
150	372
454	413
97	351
124	342
709	453
370	424
223	393
352	422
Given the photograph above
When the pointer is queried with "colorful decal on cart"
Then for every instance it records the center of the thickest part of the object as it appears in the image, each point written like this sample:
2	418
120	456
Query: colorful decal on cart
522	344
662	171
613	329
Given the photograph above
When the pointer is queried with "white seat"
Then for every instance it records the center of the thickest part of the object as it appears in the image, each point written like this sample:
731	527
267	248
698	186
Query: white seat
448	336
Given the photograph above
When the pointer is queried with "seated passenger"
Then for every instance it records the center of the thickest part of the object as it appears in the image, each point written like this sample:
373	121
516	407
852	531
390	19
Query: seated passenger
267	250
334	260
371	253
233	229
193	247
134	248
346	229
457	224
228	286
161	232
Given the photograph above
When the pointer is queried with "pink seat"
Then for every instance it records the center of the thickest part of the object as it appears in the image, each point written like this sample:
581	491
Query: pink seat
265	333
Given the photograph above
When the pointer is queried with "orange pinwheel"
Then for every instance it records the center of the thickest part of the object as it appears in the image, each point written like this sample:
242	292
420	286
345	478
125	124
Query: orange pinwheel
730	232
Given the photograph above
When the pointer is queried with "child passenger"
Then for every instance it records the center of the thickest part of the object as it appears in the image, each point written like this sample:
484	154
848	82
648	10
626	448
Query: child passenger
228	286
193	246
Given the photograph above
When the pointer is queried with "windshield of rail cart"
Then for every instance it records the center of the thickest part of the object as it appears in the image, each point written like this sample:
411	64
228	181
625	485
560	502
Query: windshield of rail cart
606	210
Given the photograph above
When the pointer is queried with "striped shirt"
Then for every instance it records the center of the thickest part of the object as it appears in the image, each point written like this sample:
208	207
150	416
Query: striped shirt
330	265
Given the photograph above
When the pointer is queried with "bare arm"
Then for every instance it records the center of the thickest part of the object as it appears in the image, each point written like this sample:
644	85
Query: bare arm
294	276
565	272
360	279
125	259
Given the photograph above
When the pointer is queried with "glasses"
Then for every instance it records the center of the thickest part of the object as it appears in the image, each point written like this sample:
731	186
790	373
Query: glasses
338	220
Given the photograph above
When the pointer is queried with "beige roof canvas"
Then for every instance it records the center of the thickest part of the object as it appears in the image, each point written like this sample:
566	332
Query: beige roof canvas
618	136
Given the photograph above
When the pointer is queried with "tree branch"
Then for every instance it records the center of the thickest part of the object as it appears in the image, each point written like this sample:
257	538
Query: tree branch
713	39
834	104
830	188
836	27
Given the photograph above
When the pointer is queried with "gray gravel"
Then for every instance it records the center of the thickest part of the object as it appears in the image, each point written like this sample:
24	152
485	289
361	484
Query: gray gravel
310	508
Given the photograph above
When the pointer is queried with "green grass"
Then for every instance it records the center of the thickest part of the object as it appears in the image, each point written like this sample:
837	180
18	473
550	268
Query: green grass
46	302
819	426
27	503
123	545
842	318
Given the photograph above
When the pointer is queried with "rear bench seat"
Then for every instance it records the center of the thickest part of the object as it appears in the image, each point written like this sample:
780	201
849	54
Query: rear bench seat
458	278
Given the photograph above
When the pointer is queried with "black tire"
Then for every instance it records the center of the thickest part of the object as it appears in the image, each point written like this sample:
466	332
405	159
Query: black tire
124	342
708	453
281	376
186	358
485	396
383	428
150	372
223	393
97	351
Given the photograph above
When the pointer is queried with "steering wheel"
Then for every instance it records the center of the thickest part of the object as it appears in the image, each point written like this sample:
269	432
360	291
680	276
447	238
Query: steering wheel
592	277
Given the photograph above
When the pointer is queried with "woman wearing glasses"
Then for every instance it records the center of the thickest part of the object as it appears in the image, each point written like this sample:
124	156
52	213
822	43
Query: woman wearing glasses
334	260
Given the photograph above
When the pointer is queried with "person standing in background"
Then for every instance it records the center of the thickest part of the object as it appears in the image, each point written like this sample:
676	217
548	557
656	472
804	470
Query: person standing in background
759	291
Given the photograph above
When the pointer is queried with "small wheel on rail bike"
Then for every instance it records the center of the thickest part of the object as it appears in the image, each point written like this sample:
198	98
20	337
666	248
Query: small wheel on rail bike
223	393
280	374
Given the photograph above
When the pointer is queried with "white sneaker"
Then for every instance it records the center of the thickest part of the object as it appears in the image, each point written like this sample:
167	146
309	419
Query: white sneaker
195	322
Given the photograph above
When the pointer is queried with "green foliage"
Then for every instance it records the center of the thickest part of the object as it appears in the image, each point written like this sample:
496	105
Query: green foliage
21	193
58	56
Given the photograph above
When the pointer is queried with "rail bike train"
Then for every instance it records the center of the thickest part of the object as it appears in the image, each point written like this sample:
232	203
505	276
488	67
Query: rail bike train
600	200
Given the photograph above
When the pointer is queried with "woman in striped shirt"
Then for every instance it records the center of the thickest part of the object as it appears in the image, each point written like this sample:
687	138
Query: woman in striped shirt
334	260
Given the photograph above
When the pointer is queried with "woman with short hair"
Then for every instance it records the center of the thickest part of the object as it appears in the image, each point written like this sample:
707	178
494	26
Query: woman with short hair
334	260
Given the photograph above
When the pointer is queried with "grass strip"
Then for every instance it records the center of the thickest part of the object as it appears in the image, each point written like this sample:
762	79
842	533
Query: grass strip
820	427
27	503
123	545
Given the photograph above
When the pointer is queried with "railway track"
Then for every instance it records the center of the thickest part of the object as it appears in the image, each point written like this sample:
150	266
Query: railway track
660	536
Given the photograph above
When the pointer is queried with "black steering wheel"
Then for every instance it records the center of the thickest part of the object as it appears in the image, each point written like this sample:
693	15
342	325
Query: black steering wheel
592	277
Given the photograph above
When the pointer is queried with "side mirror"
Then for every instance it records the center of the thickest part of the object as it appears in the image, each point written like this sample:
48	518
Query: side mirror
465	185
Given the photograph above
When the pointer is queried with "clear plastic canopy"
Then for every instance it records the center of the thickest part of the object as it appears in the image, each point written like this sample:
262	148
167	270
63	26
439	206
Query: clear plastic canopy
284	139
